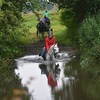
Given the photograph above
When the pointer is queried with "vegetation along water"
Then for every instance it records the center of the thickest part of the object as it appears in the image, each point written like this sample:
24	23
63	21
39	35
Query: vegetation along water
75	23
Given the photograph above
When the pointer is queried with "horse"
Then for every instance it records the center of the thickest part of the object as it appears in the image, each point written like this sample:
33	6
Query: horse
42	27
52	53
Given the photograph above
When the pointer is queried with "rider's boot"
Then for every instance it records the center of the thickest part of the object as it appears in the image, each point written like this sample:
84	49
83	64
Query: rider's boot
43	53
44	57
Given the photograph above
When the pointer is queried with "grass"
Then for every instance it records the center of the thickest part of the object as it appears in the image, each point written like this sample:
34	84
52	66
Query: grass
30	22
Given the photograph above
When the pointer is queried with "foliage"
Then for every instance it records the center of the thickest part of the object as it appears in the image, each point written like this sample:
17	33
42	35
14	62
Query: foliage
9	22
9	35
68	19
11	29
81	8
73	12
35	5
90	40
90	57
32	5
1	3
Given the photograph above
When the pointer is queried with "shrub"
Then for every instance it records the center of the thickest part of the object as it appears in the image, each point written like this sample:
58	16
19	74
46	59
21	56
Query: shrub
68	19
90	39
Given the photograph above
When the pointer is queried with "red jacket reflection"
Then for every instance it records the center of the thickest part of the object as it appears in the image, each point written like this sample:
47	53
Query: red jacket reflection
51	81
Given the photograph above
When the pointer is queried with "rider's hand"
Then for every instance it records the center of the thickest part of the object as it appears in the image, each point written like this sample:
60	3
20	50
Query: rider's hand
48	52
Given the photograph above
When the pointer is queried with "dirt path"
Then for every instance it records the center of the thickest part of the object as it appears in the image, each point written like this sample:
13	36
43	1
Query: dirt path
36	48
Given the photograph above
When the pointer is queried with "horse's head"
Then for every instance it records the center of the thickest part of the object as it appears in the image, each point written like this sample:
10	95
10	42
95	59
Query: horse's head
52	52
53	49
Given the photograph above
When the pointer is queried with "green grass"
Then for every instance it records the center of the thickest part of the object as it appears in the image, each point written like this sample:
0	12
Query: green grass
30	22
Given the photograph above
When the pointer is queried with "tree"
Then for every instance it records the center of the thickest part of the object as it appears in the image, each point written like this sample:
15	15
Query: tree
10	32
81	8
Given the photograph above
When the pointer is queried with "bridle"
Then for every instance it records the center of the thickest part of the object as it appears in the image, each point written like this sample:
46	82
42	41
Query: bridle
55	53
54	50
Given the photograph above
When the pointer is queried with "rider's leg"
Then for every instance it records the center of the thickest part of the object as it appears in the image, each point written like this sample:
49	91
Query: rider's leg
43	53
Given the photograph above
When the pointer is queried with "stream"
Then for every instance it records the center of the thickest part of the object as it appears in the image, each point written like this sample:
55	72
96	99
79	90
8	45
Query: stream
44	79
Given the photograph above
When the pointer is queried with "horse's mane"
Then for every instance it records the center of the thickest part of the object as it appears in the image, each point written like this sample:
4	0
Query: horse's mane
51	48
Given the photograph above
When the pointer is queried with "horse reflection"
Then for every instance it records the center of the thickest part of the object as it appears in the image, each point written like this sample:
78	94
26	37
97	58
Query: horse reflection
52	71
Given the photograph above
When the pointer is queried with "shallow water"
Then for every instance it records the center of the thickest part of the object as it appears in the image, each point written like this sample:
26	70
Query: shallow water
42	79
62	79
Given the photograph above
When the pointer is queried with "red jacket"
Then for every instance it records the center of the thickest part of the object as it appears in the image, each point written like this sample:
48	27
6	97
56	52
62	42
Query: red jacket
49	42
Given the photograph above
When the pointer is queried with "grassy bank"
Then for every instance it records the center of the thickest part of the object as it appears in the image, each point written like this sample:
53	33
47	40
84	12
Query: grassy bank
30	22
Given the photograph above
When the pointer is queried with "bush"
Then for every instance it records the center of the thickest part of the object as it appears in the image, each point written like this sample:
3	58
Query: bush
90	56
90	39
68	19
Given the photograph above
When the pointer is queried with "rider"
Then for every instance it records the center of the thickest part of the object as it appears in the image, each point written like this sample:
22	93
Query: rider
46	13
46	21
49	41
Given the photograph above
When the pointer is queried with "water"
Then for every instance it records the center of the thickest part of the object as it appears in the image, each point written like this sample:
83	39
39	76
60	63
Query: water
62	79
43	79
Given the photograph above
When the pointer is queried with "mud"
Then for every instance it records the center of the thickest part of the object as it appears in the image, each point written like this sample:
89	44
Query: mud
36	48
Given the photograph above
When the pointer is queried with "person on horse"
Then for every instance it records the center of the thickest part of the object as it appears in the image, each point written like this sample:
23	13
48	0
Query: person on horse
41	27
46	13
49	41
46	21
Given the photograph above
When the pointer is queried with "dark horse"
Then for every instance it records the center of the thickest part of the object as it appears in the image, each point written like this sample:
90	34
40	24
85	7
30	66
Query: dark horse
42	27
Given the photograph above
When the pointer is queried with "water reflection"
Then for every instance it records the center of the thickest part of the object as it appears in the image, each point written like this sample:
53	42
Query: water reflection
44	80
49	81
52	72
10	85
38	85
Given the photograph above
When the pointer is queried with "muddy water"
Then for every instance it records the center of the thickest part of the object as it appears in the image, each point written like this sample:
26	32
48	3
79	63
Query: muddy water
45	80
